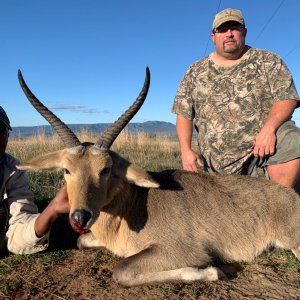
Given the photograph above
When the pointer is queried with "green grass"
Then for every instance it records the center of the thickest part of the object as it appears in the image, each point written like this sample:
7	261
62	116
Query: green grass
45	260
153	153
286	262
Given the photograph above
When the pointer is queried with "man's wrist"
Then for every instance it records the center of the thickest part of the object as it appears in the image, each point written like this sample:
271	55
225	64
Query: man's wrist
269	128
53	211
185	148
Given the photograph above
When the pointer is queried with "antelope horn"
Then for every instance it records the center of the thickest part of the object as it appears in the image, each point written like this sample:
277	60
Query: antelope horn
110	134
64	132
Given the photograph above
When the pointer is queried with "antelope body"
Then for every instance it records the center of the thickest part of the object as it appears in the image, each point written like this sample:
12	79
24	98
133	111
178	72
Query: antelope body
171	225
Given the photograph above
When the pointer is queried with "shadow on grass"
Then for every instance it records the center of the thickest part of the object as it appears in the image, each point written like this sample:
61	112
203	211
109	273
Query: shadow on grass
62	236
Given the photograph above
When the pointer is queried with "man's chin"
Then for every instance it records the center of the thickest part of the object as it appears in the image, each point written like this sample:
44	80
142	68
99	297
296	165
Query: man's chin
231	50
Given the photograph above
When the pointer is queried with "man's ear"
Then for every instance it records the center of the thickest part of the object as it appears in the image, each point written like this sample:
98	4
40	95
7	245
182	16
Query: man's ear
212	36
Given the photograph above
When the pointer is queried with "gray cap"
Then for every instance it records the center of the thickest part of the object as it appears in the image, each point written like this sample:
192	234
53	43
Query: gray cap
4	118
227	15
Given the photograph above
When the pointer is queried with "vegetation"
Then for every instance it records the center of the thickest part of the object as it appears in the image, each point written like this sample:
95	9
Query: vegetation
151	152
55	273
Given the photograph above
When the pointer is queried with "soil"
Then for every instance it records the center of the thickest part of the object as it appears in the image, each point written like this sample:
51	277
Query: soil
84	275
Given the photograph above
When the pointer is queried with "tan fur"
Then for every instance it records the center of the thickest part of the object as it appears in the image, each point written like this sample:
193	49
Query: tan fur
171	225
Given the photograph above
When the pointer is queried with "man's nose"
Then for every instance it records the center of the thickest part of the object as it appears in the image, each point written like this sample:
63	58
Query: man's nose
229	32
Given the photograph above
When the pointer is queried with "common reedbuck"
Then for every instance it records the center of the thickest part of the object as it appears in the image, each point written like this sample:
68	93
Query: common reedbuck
170	225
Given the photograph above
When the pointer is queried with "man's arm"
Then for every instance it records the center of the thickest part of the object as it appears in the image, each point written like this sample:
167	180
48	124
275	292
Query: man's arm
25	234
265	140
59	205
184	128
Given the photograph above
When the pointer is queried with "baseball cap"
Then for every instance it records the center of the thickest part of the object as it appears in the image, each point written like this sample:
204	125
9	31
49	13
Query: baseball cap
4	118
227	15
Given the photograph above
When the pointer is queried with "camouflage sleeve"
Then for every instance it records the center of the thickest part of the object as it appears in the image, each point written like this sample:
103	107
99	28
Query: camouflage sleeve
280	79
183	103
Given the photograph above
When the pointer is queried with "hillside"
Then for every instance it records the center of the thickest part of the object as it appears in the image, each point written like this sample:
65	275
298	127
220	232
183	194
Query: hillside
152	127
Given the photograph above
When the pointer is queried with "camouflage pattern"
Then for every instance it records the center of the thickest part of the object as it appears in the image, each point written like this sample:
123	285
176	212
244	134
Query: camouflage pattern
230	105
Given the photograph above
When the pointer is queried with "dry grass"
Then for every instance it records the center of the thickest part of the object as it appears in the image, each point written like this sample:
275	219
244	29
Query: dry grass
63	272
139	148
151	152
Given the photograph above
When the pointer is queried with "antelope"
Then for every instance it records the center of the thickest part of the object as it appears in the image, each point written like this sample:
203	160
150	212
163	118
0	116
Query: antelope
168	226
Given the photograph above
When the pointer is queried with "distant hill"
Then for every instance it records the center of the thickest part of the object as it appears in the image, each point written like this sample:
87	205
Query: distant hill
151	127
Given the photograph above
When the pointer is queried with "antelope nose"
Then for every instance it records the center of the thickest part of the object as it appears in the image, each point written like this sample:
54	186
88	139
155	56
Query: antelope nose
81	217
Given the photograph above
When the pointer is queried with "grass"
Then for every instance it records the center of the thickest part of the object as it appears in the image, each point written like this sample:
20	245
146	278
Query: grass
284	261
151	152
45	260
291	262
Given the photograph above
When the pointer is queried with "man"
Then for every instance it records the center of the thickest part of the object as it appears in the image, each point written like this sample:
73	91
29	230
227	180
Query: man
23	229
241	100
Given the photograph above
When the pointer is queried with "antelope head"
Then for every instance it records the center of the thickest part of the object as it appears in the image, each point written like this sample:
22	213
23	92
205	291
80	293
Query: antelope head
93	173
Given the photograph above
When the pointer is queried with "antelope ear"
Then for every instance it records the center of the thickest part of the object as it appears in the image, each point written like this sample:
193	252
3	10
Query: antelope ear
140	177
133	174
49	162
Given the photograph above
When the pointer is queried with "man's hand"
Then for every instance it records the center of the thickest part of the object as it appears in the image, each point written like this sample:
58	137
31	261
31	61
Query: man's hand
59	205
60	202
189	159
265	142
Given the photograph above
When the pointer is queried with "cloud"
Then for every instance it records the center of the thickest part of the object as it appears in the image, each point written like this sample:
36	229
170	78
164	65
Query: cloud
79	108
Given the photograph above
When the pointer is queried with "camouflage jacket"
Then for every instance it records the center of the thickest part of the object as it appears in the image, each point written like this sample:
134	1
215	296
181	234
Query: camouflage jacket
229	105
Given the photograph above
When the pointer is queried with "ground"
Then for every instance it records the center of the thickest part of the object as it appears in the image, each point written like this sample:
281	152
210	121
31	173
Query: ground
64	272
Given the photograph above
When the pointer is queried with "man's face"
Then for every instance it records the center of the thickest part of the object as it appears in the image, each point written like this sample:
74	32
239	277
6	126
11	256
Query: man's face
229	39
3	138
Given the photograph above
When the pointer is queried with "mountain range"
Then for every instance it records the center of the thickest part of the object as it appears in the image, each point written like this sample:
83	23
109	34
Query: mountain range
151	127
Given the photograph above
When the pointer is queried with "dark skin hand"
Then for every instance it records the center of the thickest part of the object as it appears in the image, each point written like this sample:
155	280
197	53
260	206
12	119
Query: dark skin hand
59	205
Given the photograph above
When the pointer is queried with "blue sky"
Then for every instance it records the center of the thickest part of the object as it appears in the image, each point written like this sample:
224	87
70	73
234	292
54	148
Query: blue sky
86	60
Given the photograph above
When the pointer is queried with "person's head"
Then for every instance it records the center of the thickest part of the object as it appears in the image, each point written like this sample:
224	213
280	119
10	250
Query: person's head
229	33
4	131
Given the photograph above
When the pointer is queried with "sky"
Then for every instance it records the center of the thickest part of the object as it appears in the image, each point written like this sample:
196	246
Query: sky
86	59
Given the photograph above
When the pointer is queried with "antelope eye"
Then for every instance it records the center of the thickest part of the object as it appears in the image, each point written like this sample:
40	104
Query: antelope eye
66	171
105	171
